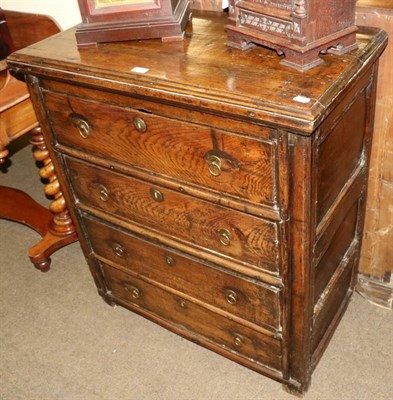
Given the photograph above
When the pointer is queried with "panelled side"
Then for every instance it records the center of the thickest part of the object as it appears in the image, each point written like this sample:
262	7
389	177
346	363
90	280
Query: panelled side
340	168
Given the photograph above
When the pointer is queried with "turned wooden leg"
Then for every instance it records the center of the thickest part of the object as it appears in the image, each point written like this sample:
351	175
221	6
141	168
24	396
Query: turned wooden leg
3	155
61	230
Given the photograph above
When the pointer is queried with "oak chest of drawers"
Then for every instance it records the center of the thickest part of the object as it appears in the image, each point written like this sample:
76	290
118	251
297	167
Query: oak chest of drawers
215	192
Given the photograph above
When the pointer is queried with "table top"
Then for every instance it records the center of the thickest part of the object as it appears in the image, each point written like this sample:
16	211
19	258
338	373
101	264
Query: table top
386	4
202	72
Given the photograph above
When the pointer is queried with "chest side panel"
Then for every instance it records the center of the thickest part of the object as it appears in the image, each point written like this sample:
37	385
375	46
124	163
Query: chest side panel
341	156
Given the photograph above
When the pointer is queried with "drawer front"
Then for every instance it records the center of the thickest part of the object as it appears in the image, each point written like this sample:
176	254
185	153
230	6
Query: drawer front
255	302
224	162
236	338
232	234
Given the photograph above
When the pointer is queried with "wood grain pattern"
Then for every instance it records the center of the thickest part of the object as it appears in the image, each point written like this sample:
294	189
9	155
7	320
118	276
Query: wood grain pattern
362	5
254	241
207	74
335	299
179	150
262	349
377	250
339	245
27	29
345	163
16	121
255	302
206	5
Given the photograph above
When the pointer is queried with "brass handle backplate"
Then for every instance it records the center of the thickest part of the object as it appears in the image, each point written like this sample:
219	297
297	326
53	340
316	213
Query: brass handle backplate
182	303
135	292
104	193
83	127
214	163
170	260
231	296
140	125
225	237
156	194
238	340
119	250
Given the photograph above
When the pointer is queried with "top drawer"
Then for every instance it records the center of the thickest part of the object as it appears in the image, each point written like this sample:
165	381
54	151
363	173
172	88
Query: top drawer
225	162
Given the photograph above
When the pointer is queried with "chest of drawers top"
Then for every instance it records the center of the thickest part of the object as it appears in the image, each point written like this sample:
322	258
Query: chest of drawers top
201	72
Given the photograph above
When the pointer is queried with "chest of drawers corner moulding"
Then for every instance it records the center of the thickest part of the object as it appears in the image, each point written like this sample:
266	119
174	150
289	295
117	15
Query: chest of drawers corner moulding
220	194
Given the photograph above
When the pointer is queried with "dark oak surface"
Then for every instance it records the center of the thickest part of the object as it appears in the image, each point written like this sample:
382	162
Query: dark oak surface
250	84
255	302
108	22
247	177
254	241
252	254
299	30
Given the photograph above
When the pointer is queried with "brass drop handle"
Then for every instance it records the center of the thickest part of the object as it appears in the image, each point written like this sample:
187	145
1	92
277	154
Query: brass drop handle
135	292
156	194
170	260
104	193
231	296
214	163
83	127
225	237
140	125
238	340
119	250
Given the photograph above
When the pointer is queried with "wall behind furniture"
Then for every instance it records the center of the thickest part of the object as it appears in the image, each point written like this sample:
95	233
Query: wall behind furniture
376	261
65	12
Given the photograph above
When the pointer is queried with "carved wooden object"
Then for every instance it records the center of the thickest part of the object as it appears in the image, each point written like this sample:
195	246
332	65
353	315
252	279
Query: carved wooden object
221	199
107	21
61	230
299	30
18	118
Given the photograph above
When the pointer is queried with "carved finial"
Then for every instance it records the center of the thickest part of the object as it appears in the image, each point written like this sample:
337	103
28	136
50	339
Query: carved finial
300	10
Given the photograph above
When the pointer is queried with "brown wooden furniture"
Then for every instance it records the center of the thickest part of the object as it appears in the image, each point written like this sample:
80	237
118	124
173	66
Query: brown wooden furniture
17	118
112	21
206	5
218	194
376	265
298	29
